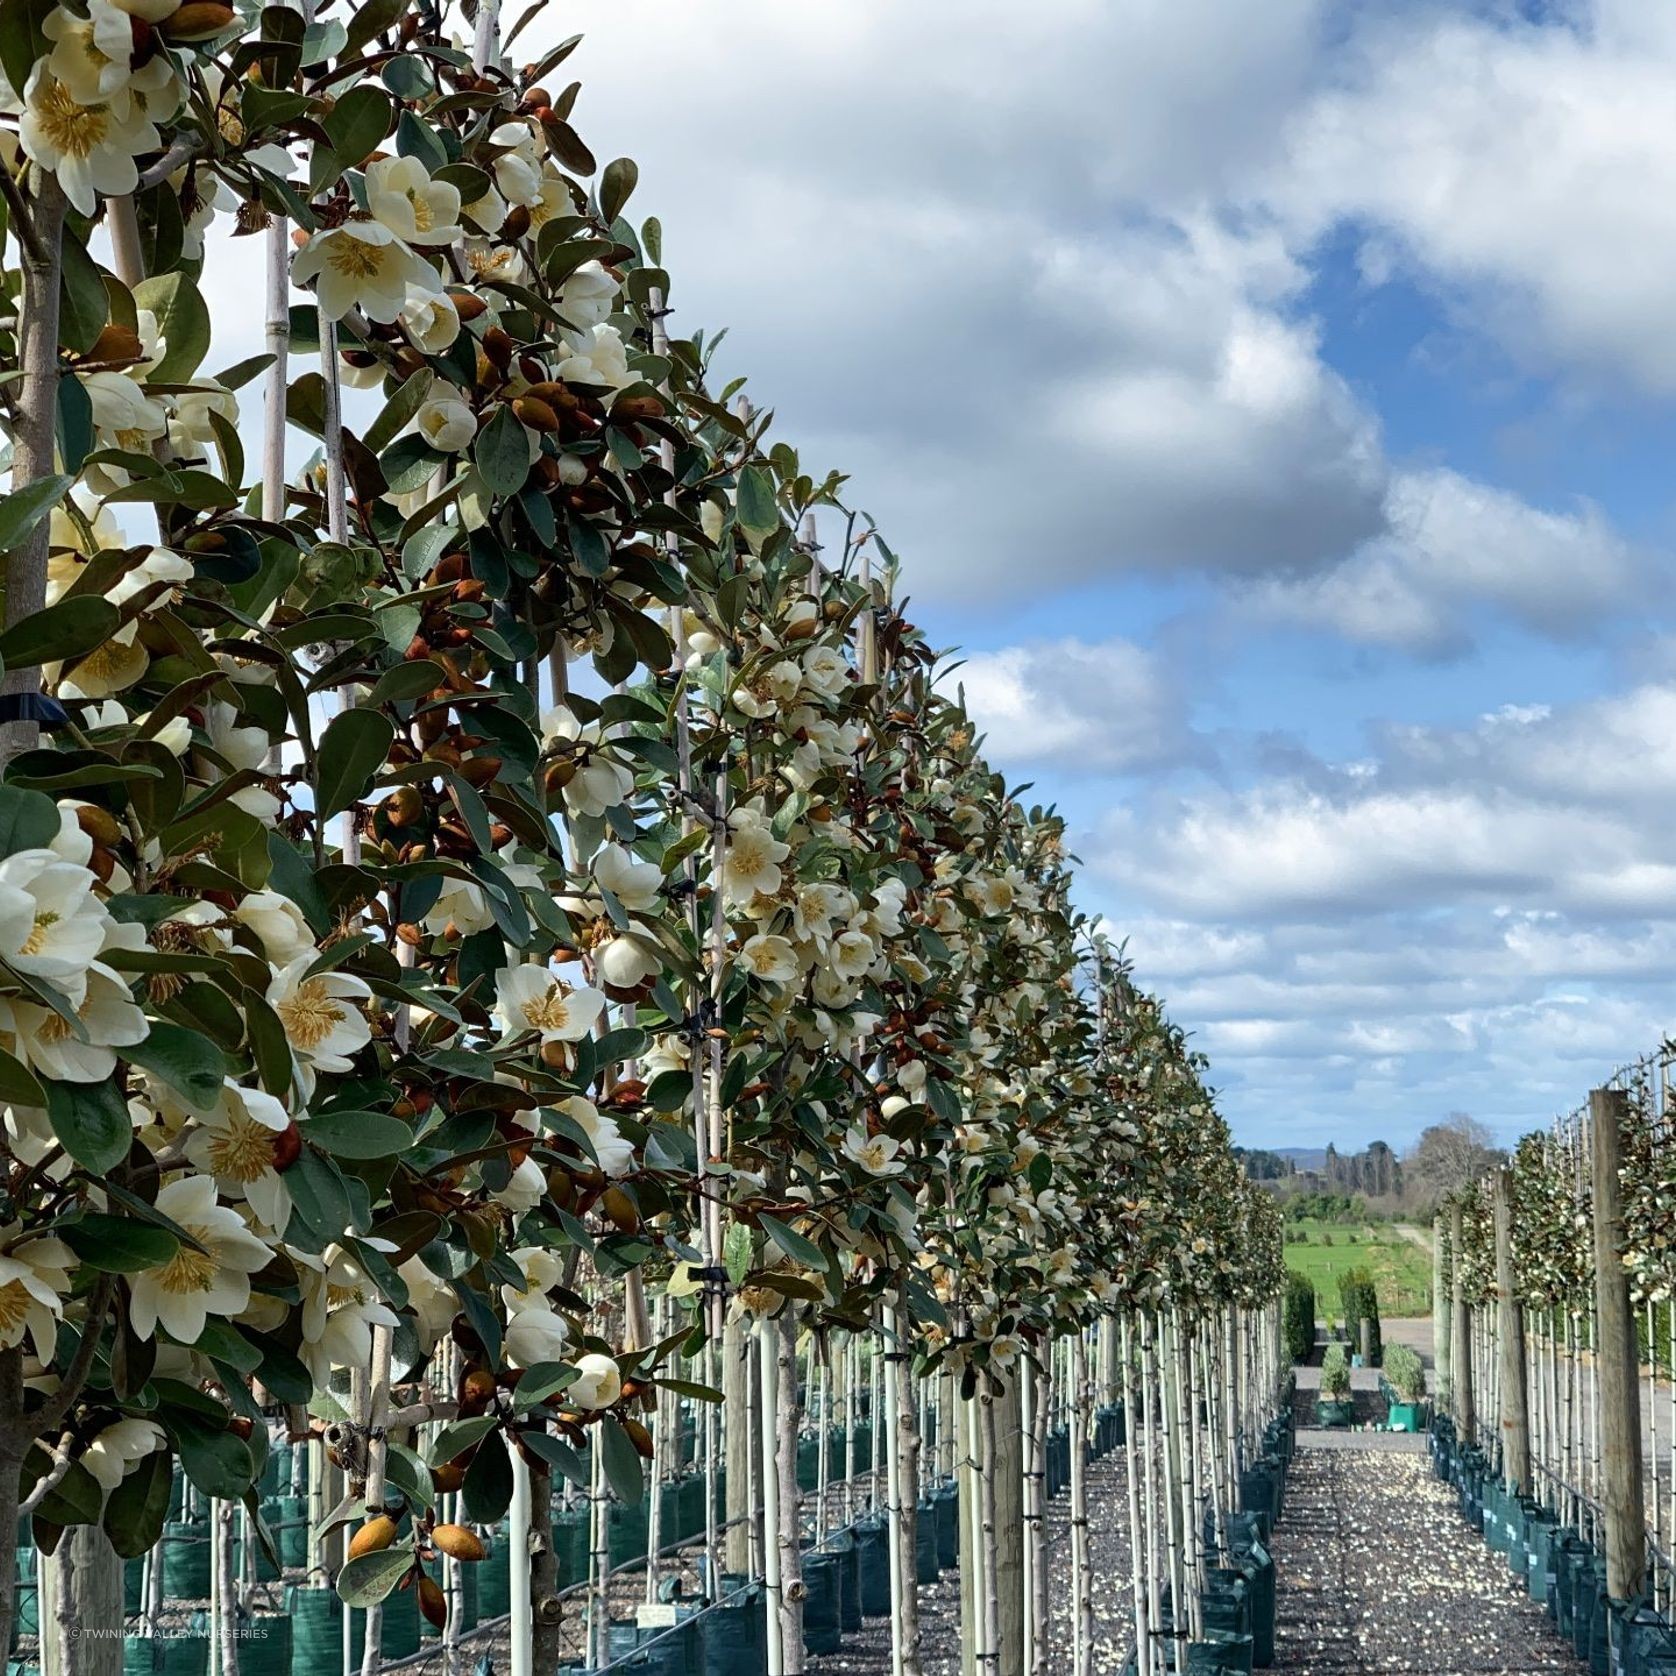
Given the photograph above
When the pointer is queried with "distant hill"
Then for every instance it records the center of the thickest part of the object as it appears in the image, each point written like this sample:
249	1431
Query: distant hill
1303	1157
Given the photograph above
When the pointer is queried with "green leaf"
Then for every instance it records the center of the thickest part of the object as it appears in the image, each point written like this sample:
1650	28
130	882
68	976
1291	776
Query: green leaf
369	1578
91	1120
73	423
28	820
74	1500
536	1384
793	1243
183	320
352	752
399	410
459	1437
758	512
217	1460
615	187
69	629
24	508
285	1376
137	1507
406	681
502	453
190	1063
368	20
559	1454
320	1207
487	1490
84	304
18	1086
22	40
621	1461
118	1244
357	1134
358	124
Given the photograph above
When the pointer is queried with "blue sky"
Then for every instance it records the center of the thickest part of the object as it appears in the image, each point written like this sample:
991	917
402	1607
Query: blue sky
1276	405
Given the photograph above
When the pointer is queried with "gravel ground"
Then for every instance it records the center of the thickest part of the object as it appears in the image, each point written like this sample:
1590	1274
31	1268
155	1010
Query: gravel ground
1379	1576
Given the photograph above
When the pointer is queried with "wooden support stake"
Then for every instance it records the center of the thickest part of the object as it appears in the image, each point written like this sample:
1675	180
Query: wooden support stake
1618	1360
1460	1355
1510	1346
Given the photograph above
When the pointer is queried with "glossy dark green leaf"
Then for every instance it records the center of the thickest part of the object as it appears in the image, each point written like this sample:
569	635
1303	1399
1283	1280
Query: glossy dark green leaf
351	753
70	629
91	1120
621	1461
487	1490
189	1062
502	453
137	1507
119	1244
616	185
183	322
24	508
357	1134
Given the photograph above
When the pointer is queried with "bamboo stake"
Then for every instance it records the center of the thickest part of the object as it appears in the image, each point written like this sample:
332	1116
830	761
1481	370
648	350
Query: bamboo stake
1138	1572
768	1368
1082	1596
788	1497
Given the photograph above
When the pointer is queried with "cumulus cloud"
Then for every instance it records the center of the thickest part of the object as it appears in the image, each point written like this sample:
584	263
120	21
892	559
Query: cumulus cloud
1454	546
982	269
1478	917
1105	708
1522	162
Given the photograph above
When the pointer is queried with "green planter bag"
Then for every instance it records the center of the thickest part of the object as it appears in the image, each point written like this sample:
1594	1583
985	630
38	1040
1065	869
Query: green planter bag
179	1655
186	1562
1335	1412
734	1632
872	1553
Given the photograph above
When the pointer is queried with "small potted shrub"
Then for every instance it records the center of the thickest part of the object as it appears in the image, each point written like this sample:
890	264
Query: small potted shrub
1405	1390
1334	1407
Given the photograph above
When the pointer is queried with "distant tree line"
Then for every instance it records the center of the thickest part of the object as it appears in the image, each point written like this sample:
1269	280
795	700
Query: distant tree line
1349	1185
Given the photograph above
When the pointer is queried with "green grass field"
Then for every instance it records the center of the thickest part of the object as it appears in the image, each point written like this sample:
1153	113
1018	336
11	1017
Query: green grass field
1322	1251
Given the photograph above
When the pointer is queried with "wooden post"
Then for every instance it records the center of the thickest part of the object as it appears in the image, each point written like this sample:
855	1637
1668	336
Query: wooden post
1618	1359
1460	1353
1510	1347
1441	1315
1007	1407
82	1586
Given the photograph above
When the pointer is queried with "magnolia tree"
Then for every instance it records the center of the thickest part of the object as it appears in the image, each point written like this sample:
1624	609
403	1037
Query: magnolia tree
465	870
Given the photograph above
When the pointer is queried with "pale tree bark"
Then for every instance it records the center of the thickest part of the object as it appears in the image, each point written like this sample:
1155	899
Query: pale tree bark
790	1498
34	438
81	1606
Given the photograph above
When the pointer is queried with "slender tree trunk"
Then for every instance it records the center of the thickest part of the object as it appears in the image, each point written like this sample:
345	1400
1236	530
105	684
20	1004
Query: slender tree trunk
81	1606
736	1406
1007	1410
34	438
790	1497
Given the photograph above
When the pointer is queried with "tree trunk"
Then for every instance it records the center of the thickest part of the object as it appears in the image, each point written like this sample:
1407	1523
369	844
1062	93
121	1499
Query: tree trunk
81	1606
736	1407
546	1611
34	435
1007	1408
1460	1354
790	1499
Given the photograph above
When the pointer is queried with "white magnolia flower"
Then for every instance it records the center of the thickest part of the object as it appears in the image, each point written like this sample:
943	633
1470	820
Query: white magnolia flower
770	958
852	954
535	1335
518	169
417	209
279	924
361	264
238	1143
600	1382
447	424
430	318
611	1147
542	1268
323	1023
432	1300
487	213
341	1306
94	56
523	1189
124	416
531	998
585	298
45	1042
752	863
90	147
597	356
460	904
34	1282
626	962
636	884
195	1284
826	670
876	1154
190	430
119	1448
52	925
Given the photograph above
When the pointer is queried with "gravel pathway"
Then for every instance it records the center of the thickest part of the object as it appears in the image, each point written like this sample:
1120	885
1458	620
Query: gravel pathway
1379	1576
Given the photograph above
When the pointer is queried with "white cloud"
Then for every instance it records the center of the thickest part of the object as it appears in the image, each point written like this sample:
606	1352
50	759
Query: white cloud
1525	164
1102	708
1455	546
972	263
